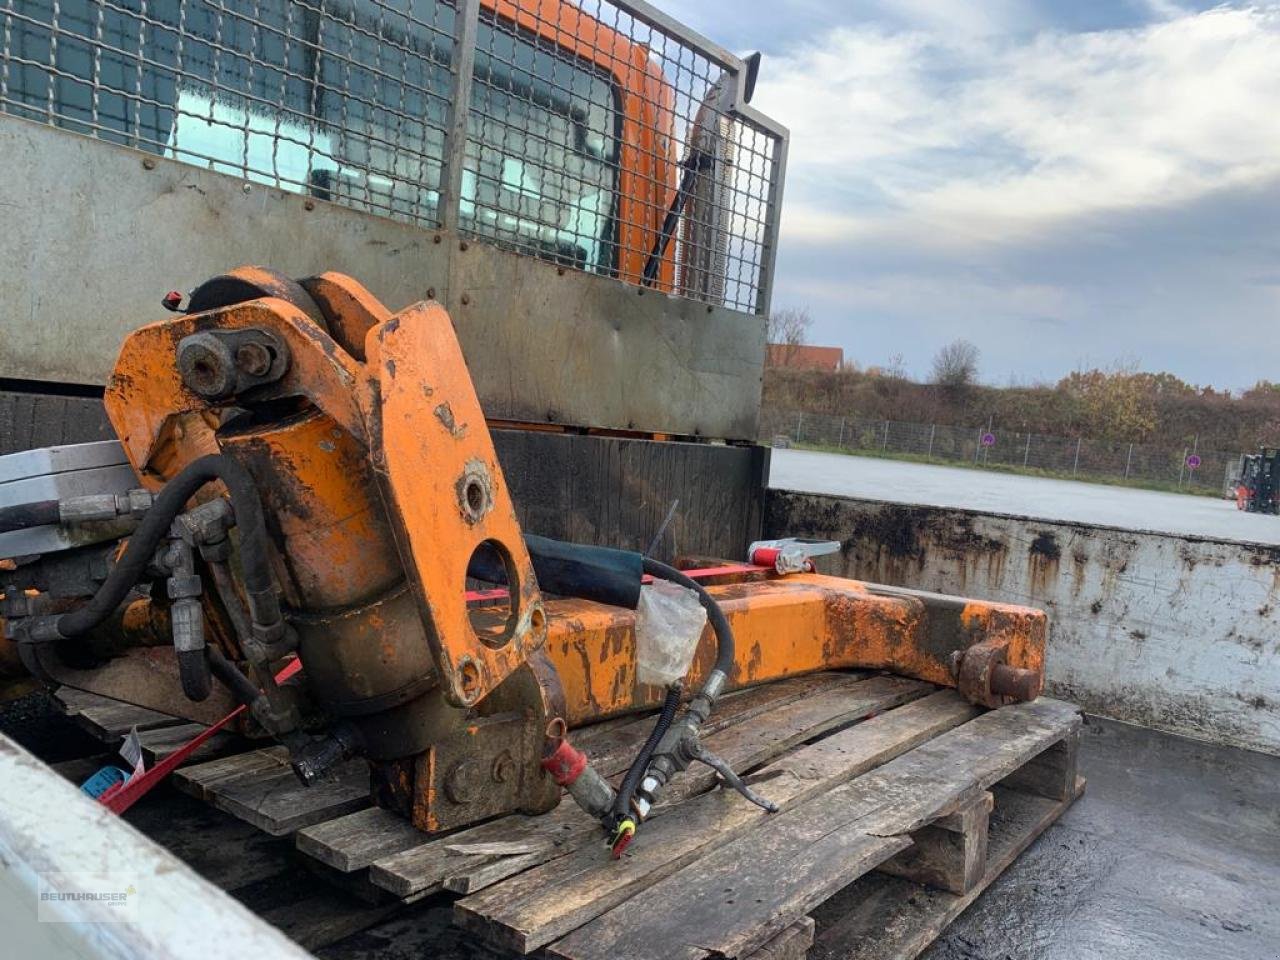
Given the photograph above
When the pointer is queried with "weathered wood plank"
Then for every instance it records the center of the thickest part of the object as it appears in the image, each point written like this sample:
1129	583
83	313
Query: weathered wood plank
951	853
354	841
531	910
357	840
792	943
886	918
429	866
161	742
732	897
1052	774
203	778
108	719
279	804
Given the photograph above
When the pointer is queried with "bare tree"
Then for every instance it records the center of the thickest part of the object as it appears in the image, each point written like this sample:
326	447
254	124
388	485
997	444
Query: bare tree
787	329
955	366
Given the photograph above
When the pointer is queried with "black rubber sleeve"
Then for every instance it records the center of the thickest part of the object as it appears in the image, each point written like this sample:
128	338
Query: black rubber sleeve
635	773
601	574
25	515
155	526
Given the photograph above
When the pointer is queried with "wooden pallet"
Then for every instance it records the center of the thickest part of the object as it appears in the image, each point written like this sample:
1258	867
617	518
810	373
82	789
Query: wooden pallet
901	803
159	734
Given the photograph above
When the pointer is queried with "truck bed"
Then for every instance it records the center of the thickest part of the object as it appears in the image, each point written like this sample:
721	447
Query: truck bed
1174	851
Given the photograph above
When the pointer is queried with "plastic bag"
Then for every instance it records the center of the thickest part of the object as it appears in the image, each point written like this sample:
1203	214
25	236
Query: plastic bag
669	622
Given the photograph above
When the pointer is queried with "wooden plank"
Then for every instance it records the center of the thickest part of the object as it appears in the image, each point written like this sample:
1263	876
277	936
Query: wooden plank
792	943
732	897
278	803
203	778
161	742
746	746
887	918
108	719
1052	774
429	866
612	749
358	839
951	853
540	905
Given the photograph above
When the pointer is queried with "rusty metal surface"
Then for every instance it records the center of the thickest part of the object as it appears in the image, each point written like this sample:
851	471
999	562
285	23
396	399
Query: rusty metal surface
1173	632
447	498
787	627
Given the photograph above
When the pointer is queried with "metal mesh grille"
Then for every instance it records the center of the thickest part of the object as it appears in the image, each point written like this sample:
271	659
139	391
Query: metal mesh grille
343	99
600	136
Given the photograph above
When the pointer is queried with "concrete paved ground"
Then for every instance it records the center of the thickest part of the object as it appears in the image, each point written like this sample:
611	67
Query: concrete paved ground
870	478
1173	853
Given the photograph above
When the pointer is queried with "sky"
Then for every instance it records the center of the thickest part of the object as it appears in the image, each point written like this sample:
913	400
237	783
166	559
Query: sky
1065	183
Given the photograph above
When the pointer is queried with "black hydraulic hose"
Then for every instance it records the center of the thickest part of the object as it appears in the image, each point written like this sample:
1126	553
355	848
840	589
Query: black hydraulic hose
724	661
25	515
155	526
634	774
241	687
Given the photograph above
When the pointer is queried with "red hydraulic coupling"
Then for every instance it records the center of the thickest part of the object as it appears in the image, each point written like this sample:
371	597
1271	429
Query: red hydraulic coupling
569	768
565	762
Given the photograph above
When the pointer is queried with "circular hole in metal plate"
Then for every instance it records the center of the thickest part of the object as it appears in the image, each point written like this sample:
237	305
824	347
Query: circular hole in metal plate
493	587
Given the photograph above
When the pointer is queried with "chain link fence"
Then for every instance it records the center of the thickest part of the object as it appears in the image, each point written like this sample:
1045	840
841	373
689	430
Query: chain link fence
1182	466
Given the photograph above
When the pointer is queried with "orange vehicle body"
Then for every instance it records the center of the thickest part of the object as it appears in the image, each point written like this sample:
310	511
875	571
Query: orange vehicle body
647	174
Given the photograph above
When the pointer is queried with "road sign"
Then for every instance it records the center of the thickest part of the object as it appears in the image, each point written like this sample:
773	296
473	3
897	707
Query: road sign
1193	461
988	439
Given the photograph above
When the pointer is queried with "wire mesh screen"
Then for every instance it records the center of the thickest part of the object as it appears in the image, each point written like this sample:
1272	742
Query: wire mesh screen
608	142
599	135
343	100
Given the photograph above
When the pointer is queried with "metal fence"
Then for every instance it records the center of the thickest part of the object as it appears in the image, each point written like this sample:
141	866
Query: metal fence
1180	466
599	135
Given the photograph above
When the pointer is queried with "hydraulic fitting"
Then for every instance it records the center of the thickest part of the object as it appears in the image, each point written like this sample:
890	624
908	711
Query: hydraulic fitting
570	769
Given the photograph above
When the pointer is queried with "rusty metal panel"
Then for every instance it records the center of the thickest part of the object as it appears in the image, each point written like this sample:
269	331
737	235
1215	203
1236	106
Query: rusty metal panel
1173	632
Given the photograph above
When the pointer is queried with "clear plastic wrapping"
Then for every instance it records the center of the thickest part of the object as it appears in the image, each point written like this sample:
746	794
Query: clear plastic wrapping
669	623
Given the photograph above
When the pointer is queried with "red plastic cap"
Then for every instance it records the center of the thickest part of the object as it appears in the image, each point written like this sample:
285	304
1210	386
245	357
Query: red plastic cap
565	763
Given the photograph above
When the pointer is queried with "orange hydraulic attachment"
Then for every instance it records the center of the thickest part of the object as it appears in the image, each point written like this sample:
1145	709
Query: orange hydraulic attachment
371	455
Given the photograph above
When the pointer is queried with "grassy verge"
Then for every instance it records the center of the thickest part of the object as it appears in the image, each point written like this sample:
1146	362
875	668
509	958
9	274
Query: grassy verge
1163	486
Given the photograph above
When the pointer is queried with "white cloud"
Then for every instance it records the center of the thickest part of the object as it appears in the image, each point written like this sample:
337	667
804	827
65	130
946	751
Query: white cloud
946	138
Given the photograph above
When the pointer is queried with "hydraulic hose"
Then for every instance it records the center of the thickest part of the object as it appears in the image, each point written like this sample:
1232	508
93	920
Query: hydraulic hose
711	688
25	515
634	774
241	687
264	606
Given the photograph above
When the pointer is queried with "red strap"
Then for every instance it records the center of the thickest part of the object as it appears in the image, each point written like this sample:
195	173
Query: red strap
702	573
120	800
